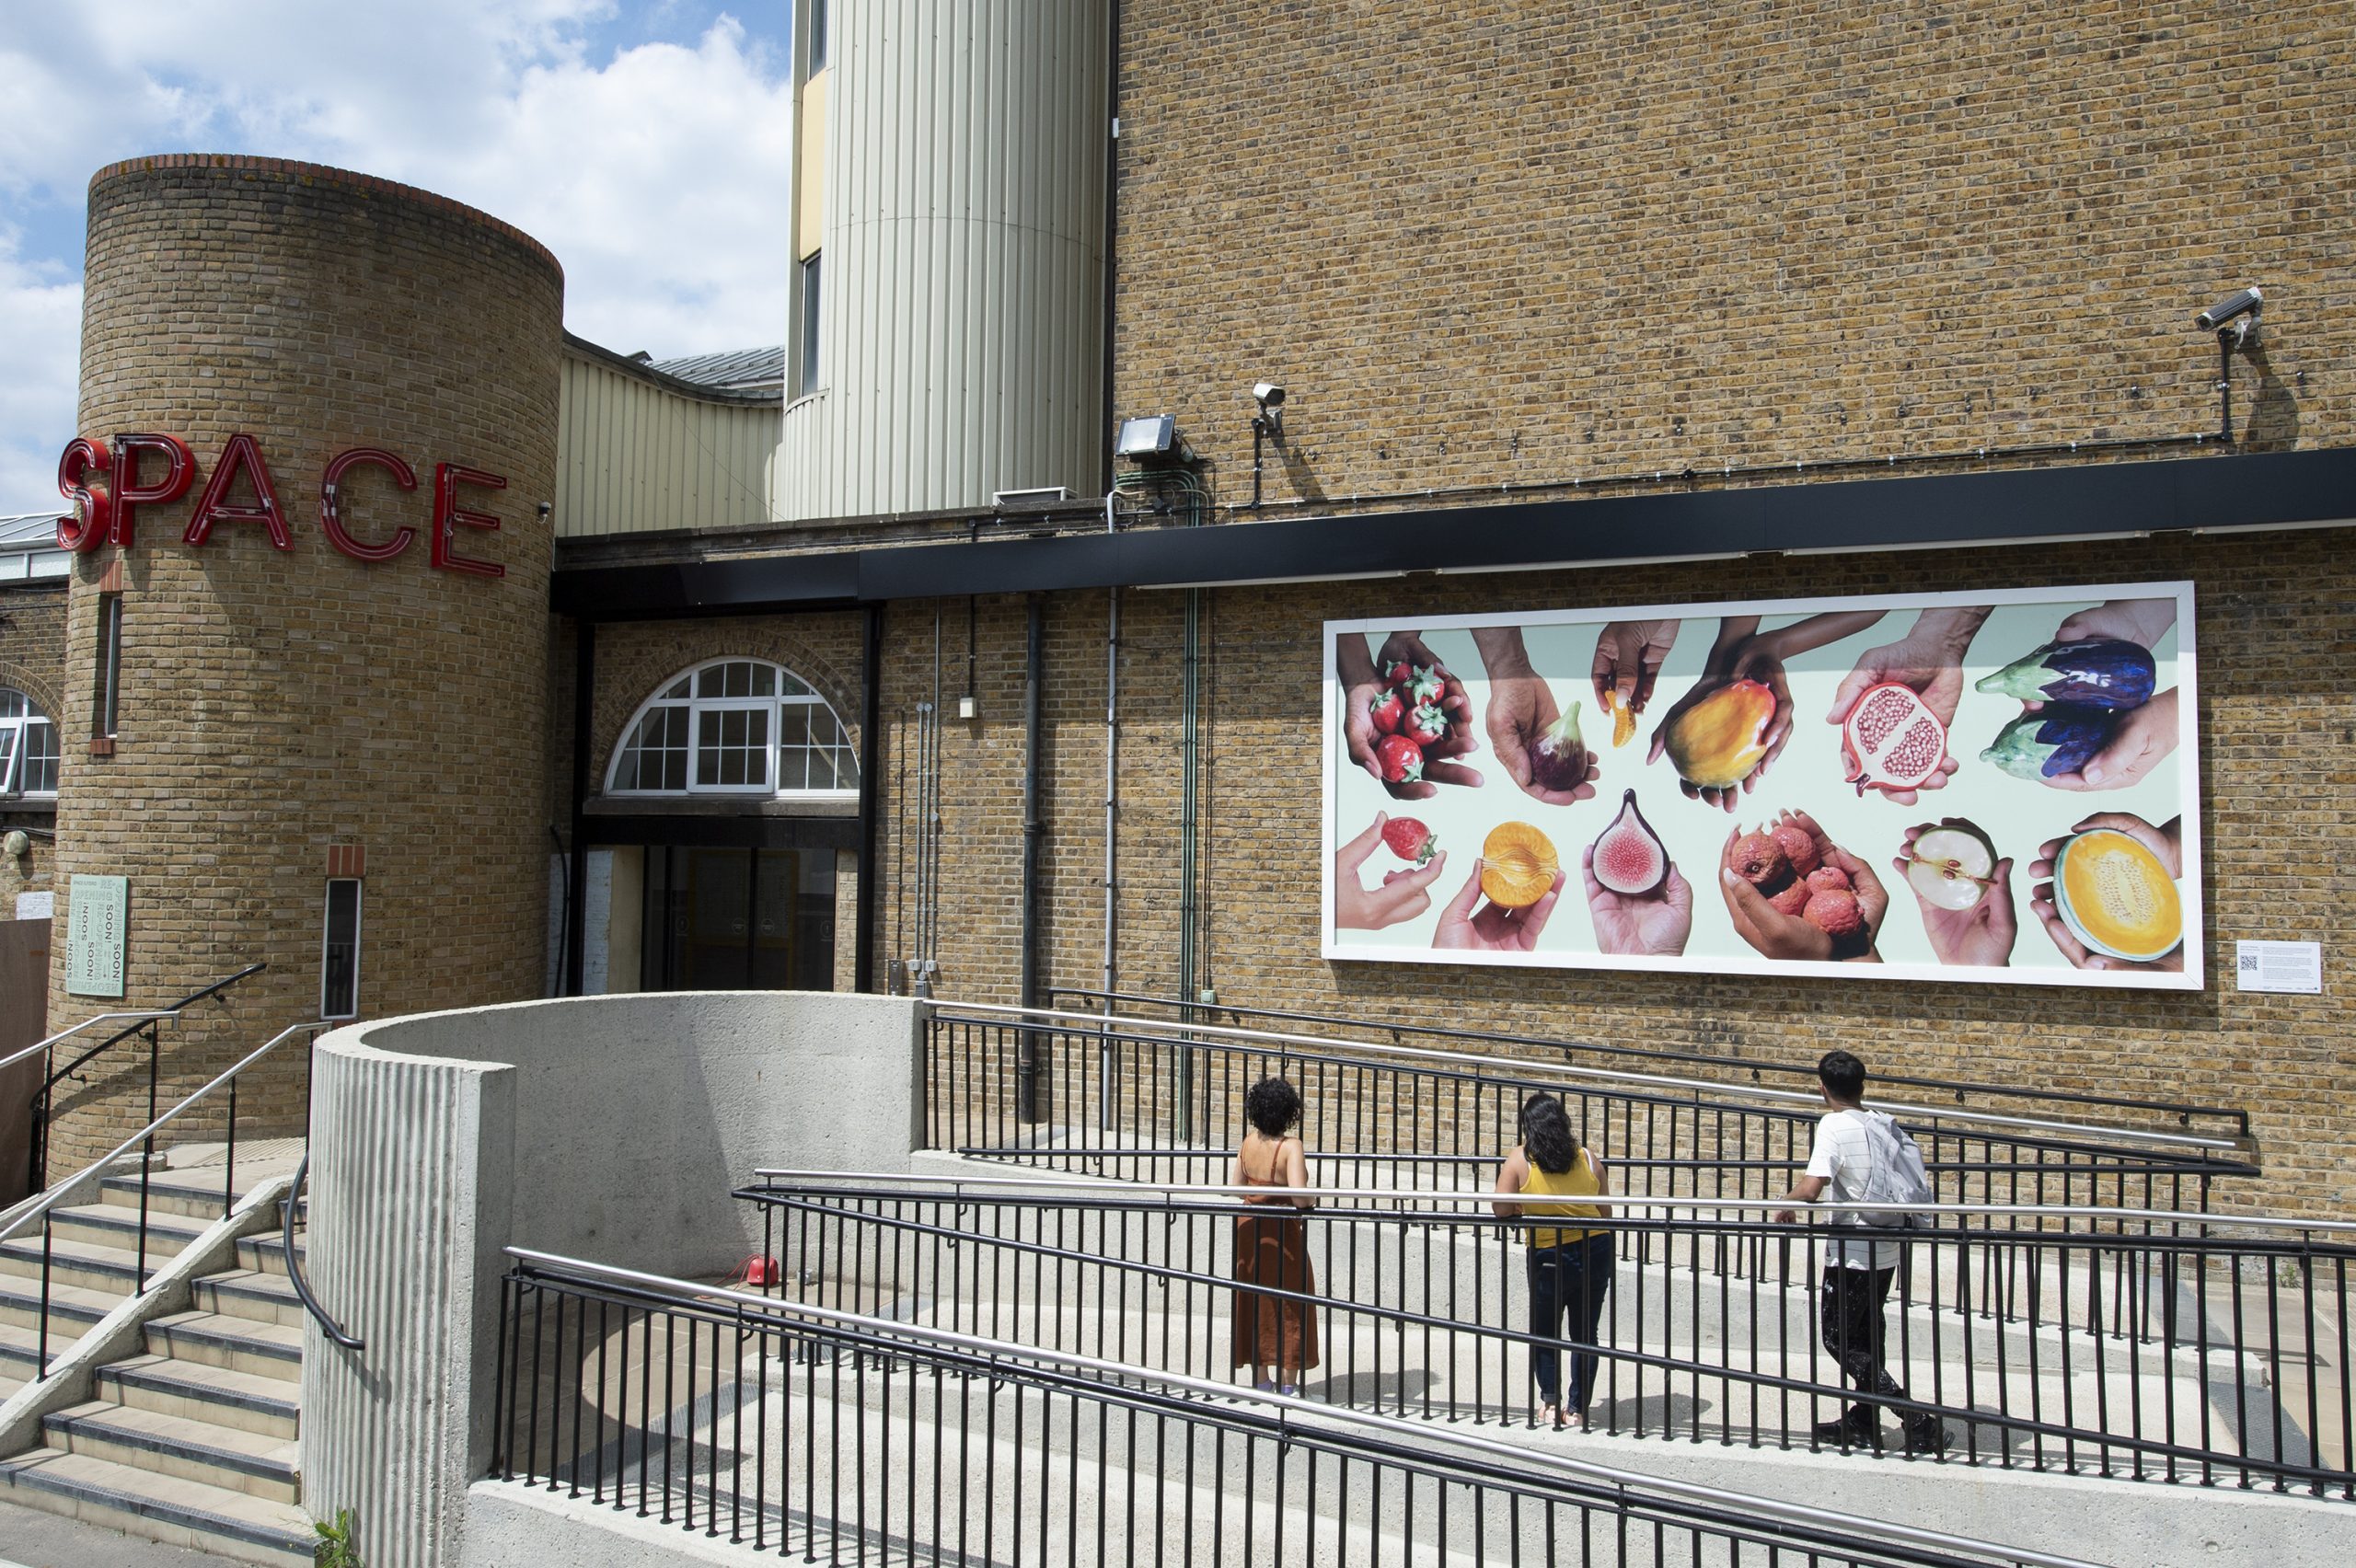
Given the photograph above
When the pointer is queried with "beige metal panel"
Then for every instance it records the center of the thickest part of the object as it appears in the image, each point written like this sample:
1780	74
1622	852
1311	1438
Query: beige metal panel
633	456
960	323
810	168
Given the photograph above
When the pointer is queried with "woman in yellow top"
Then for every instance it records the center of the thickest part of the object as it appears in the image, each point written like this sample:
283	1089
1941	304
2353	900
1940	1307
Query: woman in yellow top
1570	1266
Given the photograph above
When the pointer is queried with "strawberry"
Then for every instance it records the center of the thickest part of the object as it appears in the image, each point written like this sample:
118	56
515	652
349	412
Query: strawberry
1409	839
1426	726
1401	759
1416	684
1388	711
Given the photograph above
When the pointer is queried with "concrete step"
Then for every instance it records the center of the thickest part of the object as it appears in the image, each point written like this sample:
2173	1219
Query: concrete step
73	1309
239	1344
111	1225
88	1264
266	1253
160	1507
254	1463
16	1352
199	1390
250	1293
184	1194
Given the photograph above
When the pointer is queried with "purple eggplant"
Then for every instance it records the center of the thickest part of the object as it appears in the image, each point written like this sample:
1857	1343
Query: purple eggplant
2094	672
2053	742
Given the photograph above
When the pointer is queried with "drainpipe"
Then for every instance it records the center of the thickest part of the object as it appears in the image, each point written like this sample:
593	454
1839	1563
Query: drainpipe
871	759
1111	835
1028	1073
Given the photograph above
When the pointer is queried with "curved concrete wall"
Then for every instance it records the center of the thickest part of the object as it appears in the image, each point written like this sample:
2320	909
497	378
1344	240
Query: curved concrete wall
611	1128
961	320
280	706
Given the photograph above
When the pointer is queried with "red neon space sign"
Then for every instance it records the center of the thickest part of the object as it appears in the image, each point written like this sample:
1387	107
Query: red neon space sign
107	489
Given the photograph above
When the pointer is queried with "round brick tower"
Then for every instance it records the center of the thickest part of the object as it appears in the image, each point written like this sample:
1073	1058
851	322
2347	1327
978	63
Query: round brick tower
348	683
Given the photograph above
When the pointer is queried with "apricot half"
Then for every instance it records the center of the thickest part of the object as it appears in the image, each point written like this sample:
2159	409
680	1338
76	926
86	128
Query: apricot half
1517	865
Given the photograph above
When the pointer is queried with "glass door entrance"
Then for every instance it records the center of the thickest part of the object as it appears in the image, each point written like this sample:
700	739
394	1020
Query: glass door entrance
738	919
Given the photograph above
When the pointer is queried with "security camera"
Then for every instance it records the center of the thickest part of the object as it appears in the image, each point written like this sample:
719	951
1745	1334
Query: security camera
1268	395
2247	301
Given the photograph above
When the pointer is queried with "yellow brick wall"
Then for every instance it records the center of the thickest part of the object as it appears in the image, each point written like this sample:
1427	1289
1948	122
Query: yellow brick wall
1497	243
278	703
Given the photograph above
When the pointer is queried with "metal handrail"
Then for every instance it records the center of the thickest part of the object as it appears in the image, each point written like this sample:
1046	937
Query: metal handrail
1416	1433
950	1011
57	1193
294	1265
2182	1112
173	1011
947	1188
39	1046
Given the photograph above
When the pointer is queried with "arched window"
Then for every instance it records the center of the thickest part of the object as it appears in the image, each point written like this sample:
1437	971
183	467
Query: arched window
735	727
27	746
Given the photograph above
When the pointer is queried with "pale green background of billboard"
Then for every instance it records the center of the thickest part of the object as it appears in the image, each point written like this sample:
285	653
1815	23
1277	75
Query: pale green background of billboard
2018	814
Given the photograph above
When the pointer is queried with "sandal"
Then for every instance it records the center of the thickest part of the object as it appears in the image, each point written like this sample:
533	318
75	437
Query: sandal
1549	1416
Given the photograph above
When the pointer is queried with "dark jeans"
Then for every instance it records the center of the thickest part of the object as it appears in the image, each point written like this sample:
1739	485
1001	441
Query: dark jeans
1850	1316
1569	1281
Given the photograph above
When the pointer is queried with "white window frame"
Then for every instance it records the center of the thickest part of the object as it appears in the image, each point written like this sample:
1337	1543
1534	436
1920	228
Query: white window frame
327	937
16	734
773	706
699	709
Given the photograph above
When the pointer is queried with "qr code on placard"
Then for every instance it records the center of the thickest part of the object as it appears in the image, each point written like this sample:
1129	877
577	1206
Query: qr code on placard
2249	962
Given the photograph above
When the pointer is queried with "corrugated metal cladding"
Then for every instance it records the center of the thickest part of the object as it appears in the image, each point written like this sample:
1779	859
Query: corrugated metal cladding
961	320
633	457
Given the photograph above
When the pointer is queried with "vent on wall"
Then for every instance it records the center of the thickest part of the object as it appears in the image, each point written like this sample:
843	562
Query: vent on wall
1046	495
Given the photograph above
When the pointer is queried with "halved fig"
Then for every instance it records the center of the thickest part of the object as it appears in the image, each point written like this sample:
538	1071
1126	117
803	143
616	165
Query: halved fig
1629	857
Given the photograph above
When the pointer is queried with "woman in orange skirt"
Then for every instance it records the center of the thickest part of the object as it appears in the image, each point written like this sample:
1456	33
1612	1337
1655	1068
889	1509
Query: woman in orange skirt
1274	1335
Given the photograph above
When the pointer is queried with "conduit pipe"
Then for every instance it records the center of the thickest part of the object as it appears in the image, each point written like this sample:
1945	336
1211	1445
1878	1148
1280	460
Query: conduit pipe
1027	1073
1112	831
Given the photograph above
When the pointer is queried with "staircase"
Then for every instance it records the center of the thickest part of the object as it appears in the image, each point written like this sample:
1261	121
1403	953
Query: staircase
193	1442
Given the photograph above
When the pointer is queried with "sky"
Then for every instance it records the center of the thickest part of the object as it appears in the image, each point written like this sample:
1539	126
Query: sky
645	144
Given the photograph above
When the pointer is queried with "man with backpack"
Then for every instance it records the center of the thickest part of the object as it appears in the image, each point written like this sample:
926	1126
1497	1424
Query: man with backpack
1862	1156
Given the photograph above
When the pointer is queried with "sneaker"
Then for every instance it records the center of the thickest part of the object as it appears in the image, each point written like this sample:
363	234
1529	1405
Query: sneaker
1927	1435
1846	1433
1264	1386
1290	1390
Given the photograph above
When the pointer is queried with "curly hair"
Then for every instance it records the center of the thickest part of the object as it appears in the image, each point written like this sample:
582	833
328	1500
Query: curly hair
1273	1106
1546	1133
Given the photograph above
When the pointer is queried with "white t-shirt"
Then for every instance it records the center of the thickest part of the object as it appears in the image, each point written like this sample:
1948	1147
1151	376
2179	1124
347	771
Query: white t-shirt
1843	1155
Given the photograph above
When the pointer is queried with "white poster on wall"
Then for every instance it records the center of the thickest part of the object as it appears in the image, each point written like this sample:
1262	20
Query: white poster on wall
1998	787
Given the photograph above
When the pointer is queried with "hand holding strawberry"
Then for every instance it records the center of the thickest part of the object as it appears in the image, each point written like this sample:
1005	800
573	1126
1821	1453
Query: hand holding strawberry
1404	892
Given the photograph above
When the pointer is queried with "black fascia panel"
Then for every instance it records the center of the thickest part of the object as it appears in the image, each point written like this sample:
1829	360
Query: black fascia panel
682	589
2222	492
712	831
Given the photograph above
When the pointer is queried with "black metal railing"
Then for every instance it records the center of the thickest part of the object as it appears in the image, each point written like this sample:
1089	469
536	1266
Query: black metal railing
149	1027
91	1179
851	1438
1162	1103
2148	1346
2227	1121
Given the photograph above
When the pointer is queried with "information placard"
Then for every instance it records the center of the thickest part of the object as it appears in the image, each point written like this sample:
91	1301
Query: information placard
96	920
2294	967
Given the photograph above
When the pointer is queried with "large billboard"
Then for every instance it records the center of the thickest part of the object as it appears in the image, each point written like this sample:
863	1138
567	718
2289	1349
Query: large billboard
1991	787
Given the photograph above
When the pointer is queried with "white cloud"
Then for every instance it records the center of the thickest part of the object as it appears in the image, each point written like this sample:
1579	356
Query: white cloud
39	369
657	173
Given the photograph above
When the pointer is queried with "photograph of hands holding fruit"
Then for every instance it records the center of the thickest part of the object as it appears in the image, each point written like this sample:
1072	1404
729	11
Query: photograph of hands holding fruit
1775	788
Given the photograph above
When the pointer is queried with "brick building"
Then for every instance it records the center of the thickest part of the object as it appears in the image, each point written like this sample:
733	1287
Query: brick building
1669	307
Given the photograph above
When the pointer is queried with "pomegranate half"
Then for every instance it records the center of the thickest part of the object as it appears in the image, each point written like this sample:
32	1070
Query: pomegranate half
1891	741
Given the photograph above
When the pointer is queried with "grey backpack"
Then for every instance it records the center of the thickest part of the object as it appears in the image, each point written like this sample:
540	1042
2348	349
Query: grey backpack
1898	1178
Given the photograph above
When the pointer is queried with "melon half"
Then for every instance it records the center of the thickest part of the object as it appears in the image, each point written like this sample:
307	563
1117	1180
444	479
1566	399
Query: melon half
2116	897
